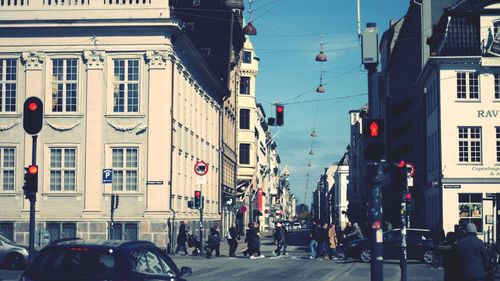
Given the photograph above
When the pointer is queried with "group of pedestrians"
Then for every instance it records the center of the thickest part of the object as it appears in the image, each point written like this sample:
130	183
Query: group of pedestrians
462	254
324	241
214	241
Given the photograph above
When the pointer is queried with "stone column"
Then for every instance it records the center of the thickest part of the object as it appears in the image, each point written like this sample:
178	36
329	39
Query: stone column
94	149
33	87
159	94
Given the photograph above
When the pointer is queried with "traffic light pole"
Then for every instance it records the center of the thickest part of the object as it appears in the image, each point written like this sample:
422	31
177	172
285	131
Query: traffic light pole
376	266
403	256
32	198
201	224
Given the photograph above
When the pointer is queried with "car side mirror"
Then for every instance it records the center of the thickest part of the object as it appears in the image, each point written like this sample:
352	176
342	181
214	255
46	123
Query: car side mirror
186	271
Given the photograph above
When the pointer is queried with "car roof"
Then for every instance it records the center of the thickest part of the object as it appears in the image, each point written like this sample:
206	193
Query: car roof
411	229
104	244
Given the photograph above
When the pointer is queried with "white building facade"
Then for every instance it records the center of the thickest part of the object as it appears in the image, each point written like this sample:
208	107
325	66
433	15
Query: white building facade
118	94
462	94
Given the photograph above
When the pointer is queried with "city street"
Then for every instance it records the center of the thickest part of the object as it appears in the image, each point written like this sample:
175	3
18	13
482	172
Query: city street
295	266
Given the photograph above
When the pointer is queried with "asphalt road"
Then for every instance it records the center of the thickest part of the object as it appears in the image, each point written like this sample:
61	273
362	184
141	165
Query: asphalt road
294	266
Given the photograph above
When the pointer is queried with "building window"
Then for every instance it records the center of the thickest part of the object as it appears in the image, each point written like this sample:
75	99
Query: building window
245	85
64	85
7	230
7	164
8	85
123	231
244	153
498	143
125	166
247	57
469	144
470	209
59	230
496	27
467	85
126	85
497	85
244	118
62	169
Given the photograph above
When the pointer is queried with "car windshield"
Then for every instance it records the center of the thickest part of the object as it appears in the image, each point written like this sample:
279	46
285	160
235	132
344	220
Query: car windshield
75	260
5	239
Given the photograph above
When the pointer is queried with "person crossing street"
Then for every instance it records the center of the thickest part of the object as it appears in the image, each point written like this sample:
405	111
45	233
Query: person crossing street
280	236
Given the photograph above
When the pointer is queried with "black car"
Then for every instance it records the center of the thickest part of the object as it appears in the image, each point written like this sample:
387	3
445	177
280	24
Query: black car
418	241
79	260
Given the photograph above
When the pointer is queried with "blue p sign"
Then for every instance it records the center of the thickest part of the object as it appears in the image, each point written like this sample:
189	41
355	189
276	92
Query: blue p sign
107	176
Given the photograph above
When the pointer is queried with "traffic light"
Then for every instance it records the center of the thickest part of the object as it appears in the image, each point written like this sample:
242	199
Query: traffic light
197	199
280	111
33	115
31	179
191	204
373	139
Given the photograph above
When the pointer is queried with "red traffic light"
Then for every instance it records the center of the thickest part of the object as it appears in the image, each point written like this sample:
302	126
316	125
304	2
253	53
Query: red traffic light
401	164
408	196
279	108
197	194
374	129
32	106
32	169
376	225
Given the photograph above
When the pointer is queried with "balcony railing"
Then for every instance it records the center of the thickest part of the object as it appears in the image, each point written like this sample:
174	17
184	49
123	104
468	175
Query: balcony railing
46	10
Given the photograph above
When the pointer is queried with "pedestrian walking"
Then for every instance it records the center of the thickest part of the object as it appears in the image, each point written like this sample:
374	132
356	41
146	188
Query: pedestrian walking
472	256
332	241
347	230
387	226
182	238
213	241
438	238
248	240
254	236
232	240
449	258
323	242
281	239
314	235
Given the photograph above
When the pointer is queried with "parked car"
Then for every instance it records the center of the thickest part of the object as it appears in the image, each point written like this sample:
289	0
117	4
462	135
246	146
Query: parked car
80	260
297	225
12	256
419	246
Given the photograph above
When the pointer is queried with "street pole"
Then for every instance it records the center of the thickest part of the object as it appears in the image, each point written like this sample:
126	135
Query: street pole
201	223
376	266
404	213
32	198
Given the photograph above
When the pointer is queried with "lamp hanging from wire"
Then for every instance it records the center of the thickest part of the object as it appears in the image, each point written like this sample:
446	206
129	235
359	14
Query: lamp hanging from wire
321	57
249	29
321	89
313	133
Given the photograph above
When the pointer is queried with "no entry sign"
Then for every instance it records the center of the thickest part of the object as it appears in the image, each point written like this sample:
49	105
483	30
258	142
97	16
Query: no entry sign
201	168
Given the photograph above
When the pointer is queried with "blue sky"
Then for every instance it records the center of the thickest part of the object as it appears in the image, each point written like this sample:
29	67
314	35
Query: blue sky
287	41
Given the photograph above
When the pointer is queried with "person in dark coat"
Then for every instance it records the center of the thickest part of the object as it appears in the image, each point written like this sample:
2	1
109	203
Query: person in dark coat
248	240
255	241
313	245
472	256
323	242
182	237
438	238
281	239
232	240
214	242
450	258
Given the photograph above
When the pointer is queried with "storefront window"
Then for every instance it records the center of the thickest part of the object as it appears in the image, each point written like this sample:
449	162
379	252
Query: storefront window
470	209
